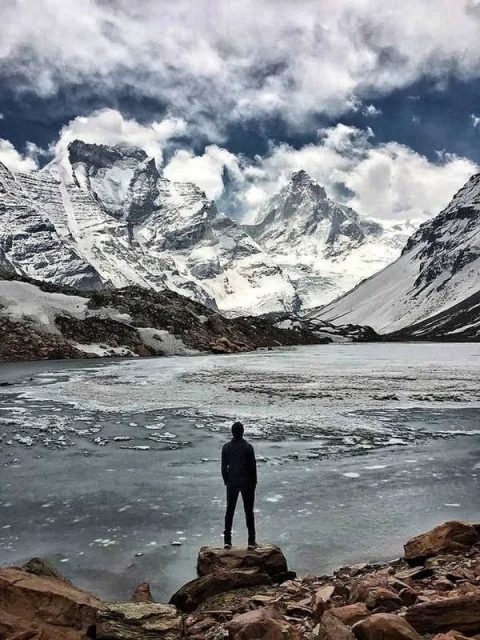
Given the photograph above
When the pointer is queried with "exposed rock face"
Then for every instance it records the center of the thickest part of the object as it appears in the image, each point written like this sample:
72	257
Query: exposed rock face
16	628
266	622
51	602
461	613
142	593
448	537
136	621
332	628
268	559
351	613
385	626
188	597
40	320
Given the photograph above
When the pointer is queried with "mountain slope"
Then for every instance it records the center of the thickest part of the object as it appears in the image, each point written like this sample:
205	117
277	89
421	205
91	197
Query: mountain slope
40	320
29	241
110	213
325	248
438	269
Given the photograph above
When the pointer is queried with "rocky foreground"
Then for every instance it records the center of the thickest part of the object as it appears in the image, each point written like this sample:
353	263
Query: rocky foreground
431	592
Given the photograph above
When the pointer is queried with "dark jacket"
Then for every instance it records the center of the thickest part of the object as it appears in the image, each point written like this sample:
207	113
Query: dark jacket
239	467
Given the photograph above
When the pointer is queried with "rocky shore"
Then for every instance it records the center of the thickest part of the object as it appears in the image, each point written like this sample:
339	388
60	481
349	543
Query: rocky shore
433	591
40	320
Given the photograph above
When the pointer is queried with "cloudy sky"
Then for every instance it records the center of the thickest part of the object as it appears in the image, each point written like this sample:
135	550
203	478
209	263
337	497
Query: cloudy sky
379	100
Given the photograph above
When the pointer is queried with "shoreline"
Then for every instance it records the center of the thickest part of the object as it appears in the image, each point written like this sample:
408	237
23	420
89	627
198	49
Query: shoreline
434	588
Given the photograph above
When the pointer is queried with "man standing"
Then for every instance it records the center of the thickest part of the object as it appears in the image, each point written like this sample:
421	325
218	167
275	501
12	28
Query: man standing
239	472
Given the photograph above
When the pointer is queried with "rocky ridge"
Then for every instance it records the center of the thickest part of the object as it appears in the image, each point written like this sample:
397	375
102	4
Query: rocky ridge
433	591
44	321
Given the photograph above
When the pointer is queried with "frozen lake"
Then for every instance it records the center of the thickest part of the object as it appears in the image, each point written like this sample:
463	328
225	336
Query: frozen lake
105	463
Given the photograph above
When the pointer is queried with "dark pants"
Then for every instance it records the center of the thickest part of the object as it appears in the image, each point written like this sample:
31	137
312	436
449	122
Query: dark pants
248	497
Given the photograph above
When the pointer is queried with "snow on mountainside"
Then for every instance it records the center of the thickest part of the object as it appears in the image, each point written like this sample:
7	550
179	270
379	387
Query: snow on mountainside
439	268
113	221
325	248
29	241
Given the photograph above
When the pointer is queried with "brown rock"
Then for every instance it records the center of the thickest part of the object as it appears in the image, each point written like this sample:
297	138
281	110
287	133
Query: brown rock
297	610
451	635
332	628
42	567
408	596
383	598
351	613
262	623
320	600
142	593
268	559
362	587
188	597
13	627
47	600
138	621
448	537
409	576
461	613
384	626
442	584
201	625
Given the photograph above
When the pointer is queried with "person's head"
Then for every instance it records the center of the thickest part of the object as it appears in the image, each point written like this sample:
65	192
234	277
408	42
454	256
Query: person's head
237	430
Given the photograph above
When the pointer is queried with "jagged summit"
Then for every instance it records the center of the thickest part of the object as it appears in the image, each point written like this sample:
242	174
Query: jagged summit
101	155
108	218
324	247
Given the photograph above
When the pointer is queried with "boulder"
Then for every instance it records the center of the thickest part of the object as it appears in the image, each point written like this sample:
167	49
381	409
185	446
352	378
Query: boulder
451	635
331	628
142	593
384	599
268	559
449	537
265	622
42	567
461	613
351	613
384	626
14	627
138	621
320	600
361	587
47	600
188	597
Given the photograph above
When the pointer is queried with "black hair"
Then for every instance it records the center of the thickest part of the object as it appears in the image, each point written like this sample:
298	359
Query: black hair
237	430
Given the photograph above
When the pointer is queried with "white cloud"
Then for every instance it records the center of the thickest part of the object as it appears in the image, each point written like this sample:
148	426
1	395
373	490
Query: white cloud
475	120
371	111
386	181
2	117
217	60
14	160
206	170
108	126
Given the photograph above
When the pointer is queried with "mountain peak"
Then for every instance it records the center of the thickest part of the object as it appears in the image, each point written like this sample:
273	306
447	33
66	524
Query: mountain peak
102	155
301	179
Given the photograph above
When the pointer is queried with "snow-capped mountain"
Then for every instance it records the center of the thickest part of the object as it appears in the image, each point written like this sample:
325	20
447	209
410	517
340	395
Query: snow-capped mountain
324	247
29	241
107	218
437	274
